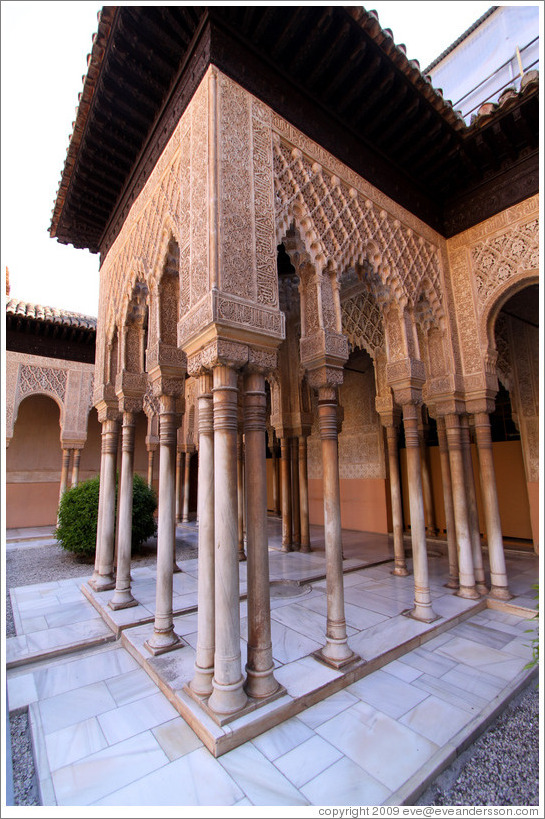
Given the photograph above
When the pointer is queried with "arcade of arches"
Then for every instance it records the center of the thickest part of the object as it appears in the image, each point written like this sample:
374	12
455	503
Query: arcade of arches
262	296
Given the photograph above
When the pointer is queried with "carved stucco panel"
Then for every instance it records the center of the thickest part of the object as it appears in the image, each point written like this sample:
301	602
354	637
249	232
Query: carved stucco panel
466	319
500	257
199	198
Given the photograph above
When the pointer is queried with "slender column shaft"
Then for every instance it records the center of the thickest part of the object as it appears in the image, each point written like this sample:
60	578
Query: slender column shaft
228	695
103	577
400	564
303	494
286	493
463	537
164	638
498	574
240	497
275	495
336	650
150	467
122	597
452	582
296	505
178	486
422	599
187	466
472	510
64	472
429	512
75	467
260	681
98	545
204	657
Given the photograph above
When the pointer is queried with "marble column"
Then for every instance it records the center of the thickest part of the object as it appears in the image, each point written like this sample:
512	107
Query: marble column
187	465
400	563
240	496
150	467
275	494
498	574
122	598
164	637
452	582
178	486
228	694
472	509
303	494
286	493
427	494
201	683
64	472
260	680
336	651
463	537
295	505
75	467
422	598
103	576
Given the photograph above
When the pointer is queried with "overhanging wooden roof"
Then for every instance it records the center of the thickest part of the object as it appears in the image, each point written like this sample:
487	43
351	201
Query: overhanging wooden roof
332	71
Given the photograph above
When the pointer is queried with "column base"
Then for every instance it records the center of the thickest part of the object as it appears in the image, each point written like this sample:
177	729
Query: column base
468	592
102	582
423	614
500	593
400	571
227	698
176	569
333	661
452	584
122	600
260	684
161	642
201	684
306	549
286	547
241	556
482	588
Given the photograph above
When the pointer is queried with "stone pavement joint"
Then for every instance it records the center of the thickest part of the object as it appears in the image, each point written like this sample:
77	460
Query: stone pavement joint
426	691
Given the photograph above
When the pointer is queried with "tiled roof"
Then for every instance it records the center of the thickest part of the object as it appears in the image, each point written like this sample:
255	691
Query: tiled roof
508	98
51	315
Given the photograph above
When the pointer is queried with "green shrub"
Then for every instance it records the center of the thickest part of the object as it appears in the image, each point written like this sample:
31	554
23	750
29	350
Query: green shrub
78	513
535	631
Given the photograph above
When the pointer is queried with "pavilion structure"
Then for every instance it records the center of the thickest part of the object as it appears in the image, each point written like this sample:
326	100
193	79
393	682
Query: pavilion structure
302	246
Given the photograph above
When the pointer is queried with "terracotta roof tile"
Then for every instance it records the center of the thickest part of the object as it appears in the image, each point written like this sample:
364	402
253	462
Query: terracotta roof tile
52	315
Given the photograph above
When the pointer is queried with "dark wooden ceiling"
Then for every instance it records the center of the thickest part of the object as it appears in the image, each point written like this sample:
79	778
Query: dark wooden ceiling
331	71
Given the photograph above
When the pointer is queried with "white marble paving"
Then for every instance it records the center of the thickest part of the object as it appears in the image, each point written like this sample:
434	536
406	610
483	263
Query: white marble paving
475	654
101	773
21	691
387	693
195	779
133	685
74	742
176	738
76	673
307	760
436	720
345	783
74	706
282	738
259	779
121	723
369	736
328	708
304	675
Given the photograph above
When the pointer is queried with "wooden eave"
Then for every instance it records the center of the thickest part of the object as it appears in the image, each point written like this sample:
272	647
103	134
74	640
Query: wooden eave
333	72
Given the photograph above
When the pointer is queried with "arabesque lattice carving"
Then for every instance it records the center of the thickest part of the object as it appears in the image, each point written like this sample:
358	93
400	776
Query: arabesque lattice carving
499	258
362	323
33	379
343	227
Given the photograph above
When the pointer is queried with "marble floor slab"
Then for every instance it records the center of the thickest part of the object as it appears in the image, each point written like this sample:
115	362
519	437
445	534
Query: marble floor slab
105	735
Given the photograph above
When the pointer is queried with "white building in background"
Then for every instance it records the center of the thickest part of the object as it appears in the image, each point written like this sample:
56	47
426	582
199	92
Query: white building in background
493	53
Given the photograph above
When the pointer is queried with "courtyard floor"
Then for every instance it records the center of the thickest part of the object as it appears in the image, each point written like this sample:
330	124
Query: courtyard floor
106	720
